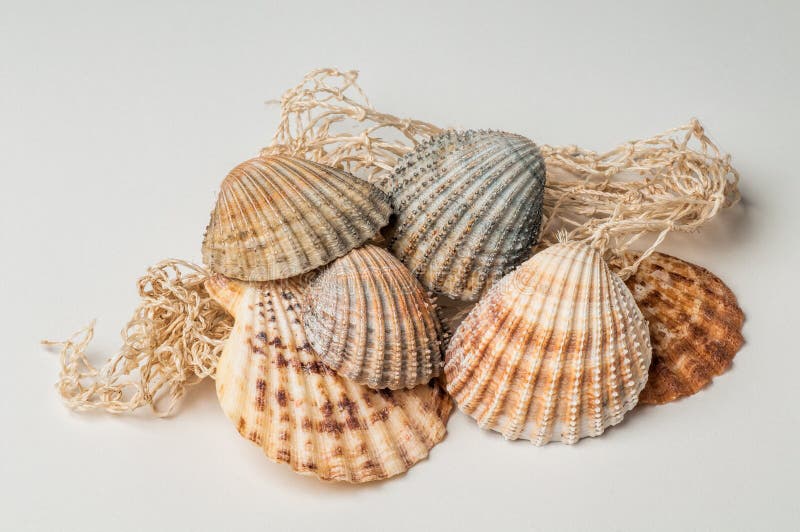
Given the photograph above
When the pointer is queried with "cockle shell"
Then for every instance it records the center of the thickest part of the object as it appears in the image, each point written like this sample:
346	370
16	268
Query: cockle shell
282	398
556	350
371	321
695	325
468	209
277	217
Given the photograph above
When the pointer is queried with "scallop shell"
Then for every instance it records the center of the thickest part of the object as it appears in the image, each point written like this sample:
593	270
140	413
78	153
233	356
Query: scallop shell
371	321
557	350
469	207
695	325
282	398
277	217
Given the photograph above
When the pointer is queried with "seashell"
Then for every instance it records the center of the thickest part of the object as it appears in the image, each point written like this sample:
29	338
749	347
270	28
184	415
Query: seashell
282	398
452	312
468	209
556	351
371	321
695	325
277	217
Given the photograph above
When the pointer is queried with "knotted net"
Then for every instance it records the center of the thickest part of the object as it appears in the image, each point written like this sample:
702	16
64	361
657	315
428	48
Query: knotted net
674	181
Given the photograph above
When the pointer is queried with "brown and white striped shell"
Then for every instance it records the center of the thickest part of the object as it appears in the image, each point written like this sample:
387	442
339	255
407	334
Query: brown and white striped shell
371	321
282	398
556	351
468	209
277	217
695	325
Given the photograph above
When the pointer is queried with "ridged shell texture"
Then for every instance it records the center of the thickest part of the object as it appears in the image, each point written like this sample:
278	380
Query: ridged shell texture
272	386
371	321
557	350
277	217
695	325
469	207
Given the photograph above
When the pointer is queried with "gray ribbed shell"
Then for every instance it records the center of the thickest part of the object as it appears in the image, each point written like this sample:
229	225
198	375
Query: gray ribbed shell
372	322
469	207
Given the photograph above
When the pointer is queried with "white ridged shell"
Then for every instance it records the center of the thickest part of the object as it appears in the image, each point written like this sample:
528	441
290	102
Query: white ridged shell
469	207
282	398
557	350
277	217
371	321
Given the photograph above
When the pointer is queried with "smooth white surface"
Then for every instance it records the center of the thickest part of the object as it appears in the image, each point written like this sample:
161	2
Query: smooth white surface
118	121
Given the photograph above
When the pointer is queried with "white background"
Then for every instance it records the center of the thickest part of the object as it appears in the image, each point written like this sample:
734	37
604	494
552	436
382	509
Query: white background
118	120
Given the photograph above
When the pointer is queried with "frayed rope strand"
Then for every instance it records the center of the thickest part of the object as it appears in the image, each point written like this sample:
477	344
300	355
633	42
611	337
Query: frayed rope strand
172	341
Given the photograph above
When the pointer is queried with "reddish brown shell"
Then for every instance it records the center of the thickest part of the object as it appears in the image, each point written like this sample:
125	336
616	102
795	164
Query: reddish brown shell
695	325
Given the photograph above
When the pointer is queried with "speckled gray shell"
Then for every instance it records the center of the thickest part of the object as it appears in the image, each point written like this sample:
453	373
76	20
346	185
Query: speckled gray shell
277	217
371	321
469	206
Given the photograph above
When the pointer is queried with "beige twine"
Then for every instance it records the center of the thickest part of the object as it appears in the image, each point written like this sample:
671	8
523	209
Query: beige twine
675	181
173	341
